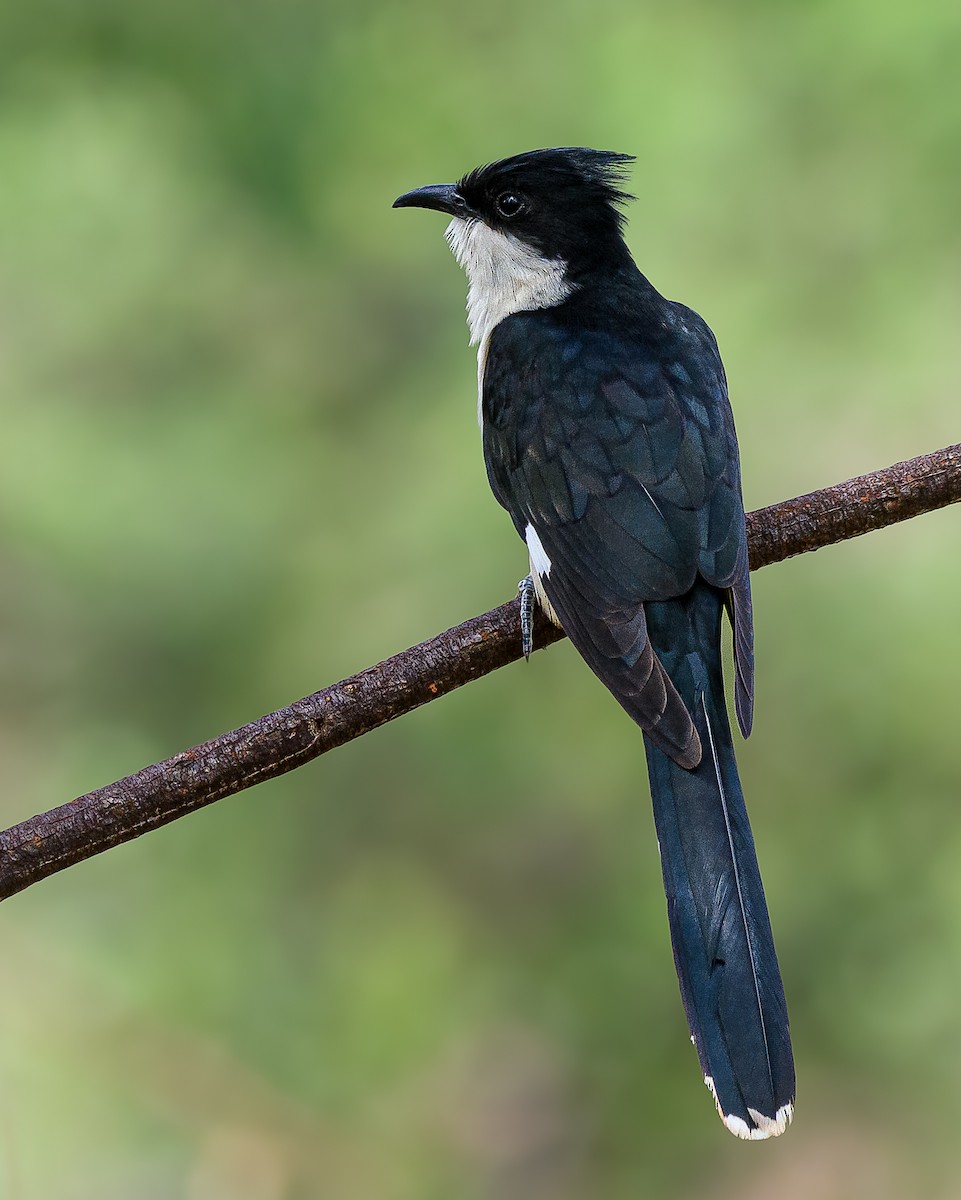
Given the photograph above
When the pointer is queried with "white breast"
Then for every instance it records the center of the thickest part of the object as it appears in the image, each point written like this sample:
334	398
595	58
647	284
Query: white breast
504	276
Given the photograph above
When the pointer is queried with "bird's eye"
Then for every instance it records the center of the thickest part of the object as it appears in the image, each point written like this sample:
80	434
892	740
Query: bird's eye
509	204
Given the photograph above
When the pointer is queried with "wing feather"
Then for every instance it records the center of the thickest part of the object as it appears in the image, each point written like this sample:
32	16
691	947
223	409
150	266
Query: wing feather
622	456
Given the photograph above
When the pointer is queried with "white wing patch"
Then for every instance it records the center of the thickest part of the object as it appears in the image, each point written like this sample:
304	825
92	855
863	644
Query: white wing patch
540	563
504	276
540	569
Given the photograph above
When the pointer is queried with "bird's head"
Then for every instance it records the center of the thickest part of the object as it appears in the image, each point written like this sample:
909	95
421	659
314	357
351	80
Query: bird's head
531	229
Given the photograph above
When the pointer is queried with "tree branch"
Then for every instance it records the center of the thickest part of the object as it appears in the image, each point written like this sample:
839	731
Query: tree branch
295	735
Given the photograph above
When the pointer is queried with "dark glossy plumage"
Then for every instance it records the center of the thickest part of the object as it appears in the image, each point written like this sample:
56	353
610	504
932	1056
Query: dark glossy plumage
619	448
608	435
723	947
607	427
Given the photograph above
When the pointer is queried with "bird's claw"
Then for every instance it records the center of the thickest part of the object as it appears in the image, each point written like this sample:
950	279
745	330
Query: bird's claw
525	589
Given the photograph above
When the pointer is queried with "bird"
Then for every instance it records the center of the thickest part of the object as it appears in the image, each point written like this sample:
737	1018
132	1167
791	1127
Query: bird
609	439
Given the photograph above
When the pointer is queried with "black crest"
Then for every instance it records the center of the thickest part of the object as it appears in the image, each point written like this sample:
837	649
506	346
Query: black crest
591	174
565	201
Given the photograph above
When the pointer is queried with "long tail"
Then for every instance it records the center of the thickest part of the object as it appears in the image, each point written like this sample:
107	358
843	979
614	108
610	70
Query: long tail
723	947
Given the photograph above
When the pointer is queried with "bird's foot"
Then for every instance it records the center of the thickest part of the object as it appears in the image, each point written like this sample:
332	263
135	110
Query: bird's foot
525	589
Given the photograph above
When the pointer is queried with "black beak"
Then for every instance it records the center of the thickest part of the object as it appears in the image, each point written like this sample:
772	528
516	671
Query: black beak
444	197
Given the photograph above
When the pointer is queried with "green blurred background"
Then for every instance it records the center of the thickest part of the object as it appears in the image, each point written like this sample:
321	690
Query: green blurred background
238	460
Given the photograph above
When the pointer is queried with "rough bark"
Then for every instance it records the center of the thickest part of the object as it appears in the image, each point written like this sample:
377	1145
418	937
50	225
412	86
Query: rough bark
295	735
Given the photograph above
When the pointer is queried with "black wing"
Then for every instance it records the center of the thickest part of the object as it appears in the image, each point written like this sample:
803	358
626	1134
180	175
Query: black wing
622	456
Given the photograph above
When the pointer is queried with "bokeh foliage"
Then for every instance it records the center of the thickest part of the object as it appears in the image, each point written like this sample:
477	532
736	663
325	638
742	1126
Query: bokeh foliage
238	461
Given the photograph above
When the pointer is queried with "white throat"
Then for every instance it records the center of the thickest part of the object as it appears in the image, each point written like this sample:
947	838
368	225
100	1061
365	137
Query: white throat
504	276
